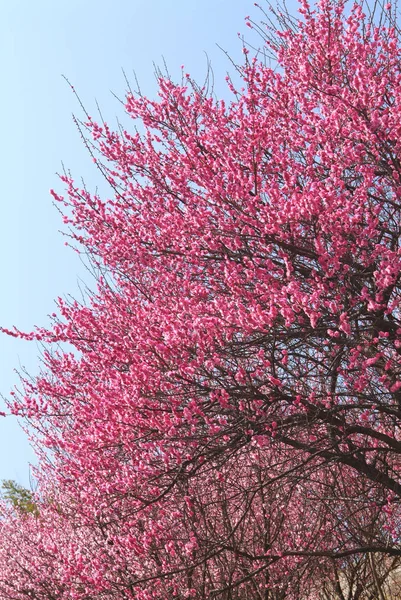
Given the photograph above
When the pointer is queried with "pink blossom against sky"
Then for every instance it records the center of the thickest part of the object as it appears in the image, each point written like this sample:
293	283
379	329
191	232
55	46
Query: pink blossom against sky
89	42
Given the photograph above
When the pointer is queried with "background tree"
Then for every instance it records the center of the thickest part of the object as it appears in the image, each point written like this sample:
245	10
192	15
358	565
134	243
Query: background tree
18	496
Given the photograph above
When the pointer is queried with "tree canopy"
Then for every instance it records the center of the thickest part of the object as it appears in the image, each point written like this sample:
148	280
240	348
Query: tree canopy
227	424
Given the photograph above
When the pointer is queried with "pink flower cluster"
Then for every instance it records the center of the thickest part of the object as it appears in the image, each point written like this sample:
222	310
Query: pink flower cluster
222	417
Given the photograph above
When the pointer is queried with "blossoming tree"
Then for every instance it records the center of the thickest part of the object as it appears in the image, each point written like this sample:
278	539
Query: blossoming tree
228	421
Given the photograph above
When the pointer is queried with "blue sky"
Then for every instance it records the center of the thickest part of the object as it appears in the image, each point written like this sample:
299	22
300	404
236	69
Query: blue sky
89	42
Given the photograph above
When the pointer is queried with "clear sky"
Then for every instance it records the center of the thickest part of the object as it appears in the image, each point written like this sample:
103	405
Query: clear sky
89	41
